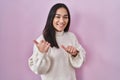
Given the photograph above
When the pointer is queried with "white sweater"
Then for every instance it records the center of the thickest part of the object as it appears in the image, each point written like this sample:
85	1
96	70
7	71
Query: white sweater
57	64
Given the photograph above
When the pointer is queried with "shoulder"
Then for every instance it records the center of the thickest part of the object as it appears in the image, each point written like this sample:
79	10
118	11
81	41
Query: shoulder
70	34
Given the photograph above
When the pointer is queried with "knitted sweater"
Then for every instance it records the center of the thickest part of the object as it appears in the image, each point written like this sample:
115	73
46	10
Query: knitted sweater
57	64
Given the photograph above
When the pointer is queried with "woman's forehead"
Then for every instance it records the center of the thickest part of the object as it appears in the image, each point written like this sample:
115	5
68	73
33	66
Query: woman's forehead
61	11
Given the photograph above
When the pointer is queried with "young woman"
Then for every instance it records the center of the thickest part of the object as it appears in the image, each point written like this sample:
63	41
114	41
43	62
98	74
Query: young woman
57	52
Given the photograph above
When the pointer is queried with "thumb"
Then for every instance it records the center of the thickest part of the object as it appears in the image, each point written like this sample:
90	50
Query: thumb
35	42
64	47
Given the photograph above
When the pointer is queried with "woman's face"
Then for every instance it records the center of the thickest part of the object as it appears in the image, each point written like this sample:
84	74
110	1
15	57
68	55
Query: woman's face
60	20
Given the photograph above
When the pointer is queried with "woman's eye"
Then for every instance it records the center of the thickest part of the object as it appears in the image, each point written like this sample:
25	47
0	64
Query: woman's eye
57	16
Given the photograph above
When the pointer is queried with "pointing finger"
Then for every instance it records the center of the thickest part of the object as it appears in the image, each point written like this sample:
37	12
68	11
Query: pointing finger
35	42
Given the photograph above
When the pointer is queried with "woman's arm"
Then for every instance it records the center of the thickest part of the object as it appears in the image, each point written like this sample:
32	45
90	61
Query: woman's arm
77	60
39	62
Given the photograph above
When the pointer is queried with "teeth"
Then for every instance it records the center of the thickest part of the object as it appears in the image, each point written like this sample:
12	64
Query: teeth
60	24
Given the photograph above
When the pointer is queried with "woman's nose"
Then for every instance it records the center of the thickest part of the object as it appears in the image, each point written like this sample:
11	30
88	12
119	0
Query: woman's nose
61	20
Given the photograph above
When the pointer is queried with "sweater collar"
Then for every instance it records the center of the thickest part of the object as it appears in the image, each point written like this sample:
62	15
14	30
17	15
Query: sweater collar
59	33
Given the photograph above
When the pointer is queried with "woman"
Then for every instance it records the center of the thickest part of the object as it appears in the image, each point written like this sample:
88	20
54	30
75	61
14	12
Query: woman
57	52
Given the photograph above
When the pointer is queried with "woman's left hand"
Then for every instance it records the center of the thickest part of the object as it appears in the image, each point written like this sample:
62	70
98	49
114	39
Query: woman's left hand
70	49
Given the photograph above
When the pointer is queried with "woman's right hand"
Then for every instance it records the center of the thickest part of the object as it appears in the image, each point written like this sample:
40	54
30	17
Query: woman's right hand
42	46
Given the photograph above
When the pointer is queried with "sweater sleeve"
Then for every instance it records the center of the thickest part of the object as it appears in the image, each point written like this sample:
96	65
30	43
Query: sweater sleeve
77	61
39	62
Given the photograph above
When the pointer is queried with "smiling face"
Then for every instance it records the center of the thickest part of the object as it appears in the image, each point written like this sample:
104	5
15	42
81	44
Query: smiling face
60	20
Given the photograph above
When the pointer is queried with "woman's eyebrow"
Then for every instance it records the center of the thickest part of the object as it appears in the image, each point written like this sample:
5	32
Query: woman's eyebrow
57	14
60	14
66	15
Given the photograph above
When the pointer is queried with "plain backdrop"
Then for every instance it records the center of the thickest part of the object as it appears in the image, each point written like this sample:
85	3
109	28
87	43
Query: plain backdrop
96	24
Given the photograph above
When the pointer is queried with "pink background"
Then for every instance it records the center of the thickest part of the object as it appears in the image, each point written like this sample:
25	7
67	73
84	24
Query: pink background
95	22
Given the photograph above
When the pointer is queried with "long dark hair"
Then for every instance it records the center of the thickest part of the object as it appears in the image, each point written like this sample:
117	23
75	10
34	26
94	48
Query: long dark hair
49	30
